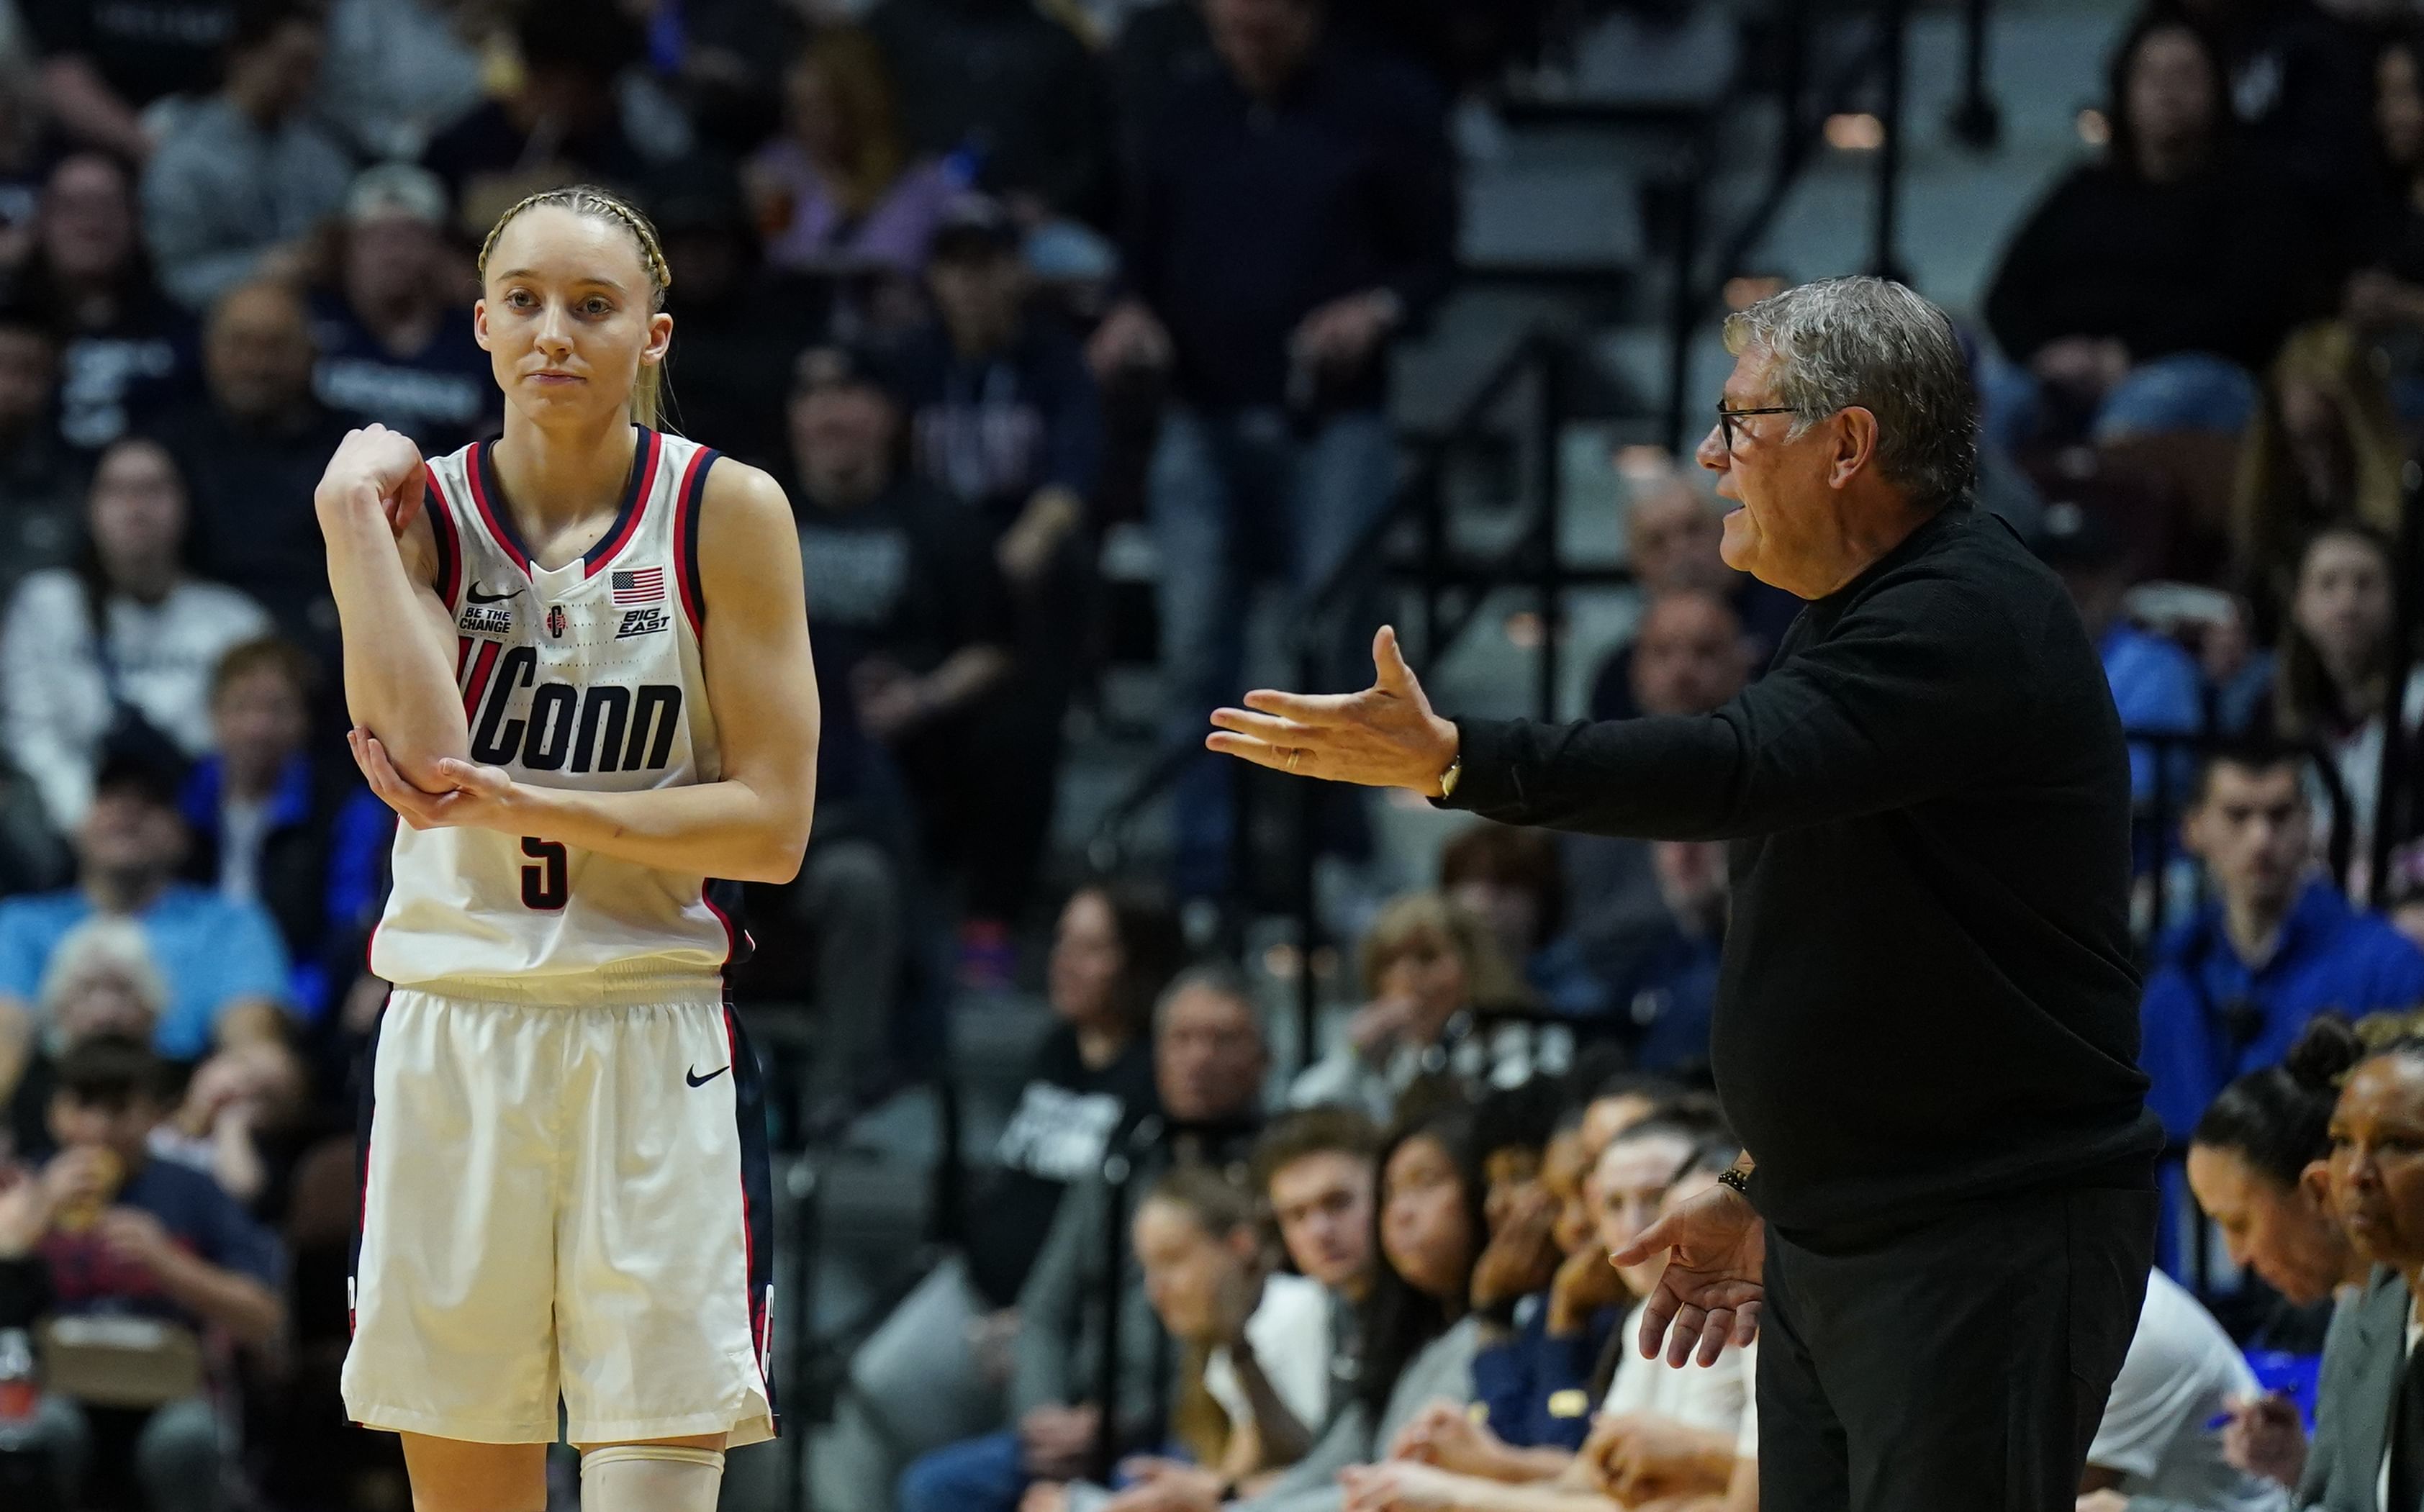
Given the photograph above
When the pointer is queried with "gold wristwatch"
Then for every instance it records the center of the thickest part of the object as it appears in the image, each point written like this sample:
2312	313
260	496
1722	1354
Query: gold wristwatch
1447	778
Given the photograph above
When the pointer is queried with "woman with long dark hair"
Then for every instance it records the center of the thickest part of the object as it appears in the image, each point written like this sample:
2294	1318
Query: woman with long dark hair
1418	1338
2141	293
117	652
2332	690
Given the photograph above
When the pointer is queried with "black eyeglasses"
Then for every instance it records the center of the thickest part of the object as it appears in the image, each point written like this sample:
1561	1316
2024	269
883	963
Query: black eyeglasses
1725	418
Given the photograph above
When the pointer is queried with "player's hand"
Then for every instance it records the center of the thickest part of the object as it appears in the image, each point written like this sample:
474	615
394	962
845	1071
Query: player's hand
1712	1289
477	797
1384	736
376	463
2266	1437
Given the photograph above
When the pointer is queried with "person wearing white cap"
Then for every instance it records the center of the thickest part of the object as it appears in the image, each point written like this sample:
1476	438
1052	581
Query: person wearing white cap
395	343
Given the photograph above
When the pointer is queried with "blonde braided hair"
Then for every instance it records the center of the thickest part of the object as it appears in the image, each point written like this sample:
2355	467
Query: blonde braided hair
648	388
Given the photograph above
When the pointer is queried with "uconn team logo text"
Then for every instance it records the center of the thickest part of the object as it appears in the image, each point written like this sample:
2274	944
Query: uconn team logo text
598	728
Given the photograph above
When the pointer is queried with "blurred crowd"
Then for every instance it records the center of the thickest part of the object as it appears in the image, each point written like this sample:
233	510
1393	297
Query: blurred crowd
985	282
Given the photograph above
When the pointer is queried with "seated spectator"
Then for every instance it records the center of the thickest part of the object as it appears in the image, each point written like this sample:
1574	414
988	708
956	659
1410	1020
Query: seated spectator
2156	685
918	1383
2154	1440
125	349
2256	1164
1547	1299
1418	1338
2325	446
1003	415
252	448
2233	989
1510	877
1426	967
396	72
742	324
1661	1430
225	967
42	482
2385	297
913	617
270	824
100	980
1669	988
123	1235
102	65
562	123
837	191
1209	1060
117	653
394	336
1008	85
2358	1456
1672	530
2143	292
1293	209
238	188
1254	1371
2330	687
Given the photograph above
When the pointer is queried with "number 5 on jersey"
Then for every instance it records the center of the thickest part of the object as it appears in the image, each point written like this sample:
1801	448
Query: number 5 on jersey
546	886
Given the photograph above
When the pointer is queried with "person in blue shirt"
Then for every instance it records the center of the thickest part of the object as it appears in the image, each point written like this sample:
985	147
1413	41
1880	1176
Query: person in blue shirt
225	967
2155	683
2233	987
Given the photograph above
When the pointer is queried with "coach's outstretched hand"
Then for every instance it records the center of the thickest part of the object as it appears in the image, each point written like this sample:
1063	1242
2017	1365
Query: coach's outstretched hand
1712	1288
1384	736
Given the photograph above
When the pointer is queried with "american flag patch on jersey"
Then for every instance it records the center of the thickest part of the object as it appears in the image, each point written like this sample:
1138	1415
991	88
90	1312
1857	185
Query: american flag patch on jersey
645	586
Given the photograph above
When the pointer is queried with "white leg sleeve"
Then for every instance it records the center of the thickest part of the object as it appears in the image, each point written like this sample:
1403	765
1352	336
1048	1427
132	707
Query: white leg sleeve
650	1478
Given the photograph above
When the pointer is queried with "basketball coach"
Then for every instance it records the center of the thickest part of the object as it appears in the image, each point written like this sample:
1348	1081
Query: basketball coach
1926	1024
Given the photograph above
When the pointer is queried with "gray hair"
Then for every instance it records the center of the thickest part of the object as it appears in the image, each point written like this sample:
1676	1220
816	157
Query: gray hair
1219	978
1873	343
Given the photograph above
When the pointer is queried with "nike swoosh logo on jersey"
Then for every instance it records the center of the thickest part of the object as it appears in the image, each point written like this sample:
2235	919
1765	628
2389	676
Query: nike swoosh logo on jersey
476	596
692	1076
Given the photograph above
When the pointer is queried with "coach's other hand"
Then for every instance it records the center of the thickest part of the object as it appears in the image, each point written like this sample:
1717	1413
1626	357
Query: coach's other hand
1384	736
1712	1288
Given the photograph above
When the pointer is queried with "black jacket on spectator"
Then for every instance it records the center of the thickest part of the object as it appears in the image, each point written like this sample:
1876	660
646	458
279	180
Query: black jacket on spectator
1013	86
906	576
2301	88
254	526
2206	265
1929	994
1067	1116
484	145
116	377
730	369
1248	214
994	431
143	50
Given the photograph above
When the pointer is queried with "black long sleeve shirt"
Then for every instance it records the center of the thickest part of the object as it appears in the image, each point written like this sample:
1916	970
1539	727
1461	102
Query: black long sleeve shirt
1928	993
1247	214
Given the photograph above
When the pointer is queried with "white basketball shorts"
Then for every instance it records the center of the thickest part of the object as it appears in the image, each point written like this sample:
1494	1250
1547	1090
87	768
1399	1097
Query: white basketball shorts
562	1201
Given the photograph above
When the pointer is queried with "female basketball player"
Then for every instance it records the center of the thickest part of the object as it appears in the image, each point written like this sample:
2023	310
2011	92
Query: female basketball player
563	1166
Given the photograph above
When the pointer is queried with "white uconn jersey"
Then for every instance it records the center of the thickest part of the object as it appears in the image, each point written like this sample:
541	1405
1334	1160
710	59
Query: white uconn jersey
586	677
